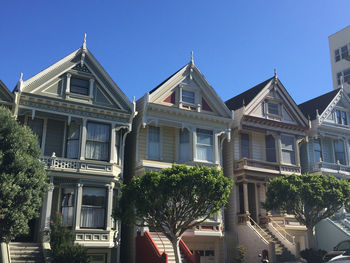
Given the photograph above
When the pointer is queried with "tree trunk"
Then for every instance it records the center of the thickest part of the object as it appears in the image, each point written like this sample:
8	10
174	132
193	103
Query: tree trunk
310	237
175	242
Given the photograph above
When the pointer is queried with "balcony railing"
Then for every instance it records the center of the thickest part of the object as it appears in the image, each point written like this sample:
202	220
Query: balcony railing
279	168
330	168
74	165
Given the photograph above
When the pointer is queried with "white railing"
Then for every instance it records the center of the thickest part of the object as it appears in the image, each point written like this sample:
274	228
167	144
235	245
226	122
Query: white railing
283	233
259	229
337	167
245	163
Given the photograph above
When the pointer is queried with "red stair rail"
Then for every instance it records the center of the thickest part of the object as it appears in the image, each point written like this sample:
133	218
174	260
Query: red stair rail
190	257
147	251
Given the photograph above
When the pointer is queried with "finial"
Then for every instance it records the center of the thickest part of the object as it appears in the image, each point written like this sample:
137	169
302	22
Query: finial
21	77
342	82
84	43
317	114
275	73
20	83
192	60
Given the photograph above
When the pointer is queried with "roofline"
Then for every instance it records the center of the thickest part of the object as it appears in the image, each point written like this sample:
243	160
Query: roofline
338	31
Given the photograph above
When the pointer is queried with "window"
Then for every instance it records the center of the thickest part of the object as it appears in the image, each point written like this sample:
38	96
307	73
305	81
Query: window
337	55
97	141
73	140
245	151
270	148
36	126
93	208
184	147
339	151
79	86
204	145
288	152
344	52
317	150
67	206
153	143
188	96
272	108
341	117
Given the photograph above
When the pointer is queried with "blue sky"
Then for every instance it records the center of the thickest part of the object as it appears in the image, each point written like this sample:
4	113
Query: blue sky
236	43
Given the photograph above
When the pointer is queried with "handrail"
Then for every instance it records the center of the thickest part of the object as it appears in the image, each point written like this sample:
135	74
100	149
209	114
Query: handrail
286	234
256	224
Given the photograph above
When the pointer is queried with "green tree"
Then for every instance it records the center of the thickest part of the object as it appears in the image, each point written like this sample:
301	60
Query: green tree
173	200
22	177
310	198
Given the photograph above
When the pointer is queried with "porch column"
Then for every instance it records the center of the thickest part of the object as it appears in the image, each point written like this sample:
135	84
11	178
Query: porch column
46	209
83	140
279	149
68	83
194	142
112	157
262	198
78	206
109	206
91	88
245	196
257	200
216	148
297	152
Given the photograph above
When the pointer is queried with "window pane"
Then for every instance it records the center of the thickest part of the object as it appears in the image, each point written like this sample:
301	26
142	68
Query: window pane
153	142
344	118
188	96
339	151
97	143
73	140
184	149
36	126
93	207
79	86
204	145
337	55
270	148
288	154
272	108
317	150
338	116
245	146
67	205
344	51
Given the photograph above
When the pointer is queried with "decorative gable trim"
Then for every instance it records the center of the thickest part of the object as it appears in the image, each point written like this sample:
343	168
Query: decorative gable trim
341	94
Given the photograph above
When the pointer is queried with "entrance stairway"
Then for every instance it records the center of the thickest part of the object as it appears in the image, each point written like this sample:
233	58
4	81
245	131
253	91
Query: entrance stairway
282	253
164	245
26	252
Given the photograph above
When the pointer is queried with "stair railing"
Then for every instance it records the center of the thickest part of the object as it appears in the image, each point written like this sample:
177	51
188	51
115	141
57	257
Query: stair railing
283	232
262	230
161	240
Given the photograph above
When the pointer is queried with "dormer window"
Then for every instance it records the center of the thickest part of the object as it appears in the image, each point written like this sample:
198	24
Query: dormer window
341	117
188	96
79	86
273	108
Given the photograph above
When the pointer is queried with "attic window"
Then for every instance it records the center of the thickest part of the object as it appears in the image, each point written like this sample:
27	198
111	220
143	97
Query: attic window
79	86
273	108
188	96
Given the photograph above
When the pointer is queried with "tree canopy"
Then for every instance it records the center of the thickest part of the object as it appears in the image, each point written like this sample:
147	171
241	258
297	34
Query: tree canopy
173	200
310	198
22	177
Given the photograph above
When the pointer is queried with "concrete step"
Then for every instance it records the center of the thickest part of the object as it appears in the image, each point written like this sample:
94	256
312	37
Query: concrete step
26	252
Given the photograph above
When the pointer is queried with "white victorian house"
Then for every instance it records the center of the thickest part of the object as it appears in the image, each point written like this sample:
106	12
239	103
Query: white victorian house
81	118
182	120
328	152
267	130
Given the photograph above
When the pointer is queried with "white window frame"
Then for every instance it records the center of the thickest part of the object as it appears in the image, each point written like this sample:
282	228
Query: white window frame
190	97
273	113
288	150
198	131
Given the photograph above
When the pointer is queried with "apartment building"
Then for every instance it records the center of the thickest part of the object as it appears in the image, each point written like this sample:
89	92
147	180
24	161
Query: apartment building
267	130
81	118
182	120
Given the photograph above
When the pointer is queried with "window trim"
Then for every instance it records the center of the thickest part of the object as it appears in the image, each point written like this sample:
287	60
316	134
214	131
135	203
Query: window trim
318	140
108	142
74	77
284	149
241	148
335	152
211	160
188	91
159	144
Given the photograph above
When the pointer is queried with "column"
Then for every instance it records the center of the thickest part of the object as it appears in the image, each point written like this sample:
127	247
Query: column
262	198
68	83
79	197
279	149
46	209
216	148
91	88
257	202
245	195
112	157
297	152
83	140
194	142
109	206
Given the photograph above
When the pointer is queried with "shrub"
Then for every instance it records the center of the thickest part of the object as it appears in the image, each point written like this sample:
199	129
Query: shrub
312	255
240	253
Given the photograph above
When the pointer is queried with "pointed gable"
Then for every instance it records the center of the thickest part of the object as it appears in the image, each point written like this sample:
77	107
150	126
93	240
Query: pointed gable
187	89
78	78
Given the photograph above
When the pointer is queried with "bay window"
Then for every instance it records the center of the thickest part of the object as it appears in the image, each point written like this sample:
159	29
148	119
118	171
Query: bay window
153	151
288	149
204	145
184	145
245	148
73	136
270	148
97	141
339	151
93	208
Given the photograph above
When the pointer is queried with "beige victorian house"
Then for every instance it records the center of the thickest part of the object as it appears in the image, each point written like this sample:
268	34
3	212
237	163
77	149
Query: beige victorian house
81	118
184	121
267	130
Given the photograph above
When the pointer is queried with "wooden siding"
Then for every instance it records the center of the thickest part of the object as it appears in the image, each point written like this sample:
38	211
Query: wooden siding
142	143
236	147
168	139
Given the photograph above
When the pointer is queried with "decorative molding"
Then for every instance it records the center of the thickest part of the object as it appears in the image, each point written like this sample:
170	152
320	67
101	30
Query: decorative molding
83	68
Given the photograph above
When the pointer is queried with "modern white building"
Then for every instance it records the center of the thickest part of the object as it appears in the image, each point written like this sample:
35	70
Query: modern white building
339	48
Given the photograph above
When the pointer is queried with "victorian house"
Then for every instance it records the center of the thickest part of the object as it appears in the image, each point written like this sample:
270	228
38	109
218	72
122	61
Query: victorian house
327	152
267	131
183	121
81	119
